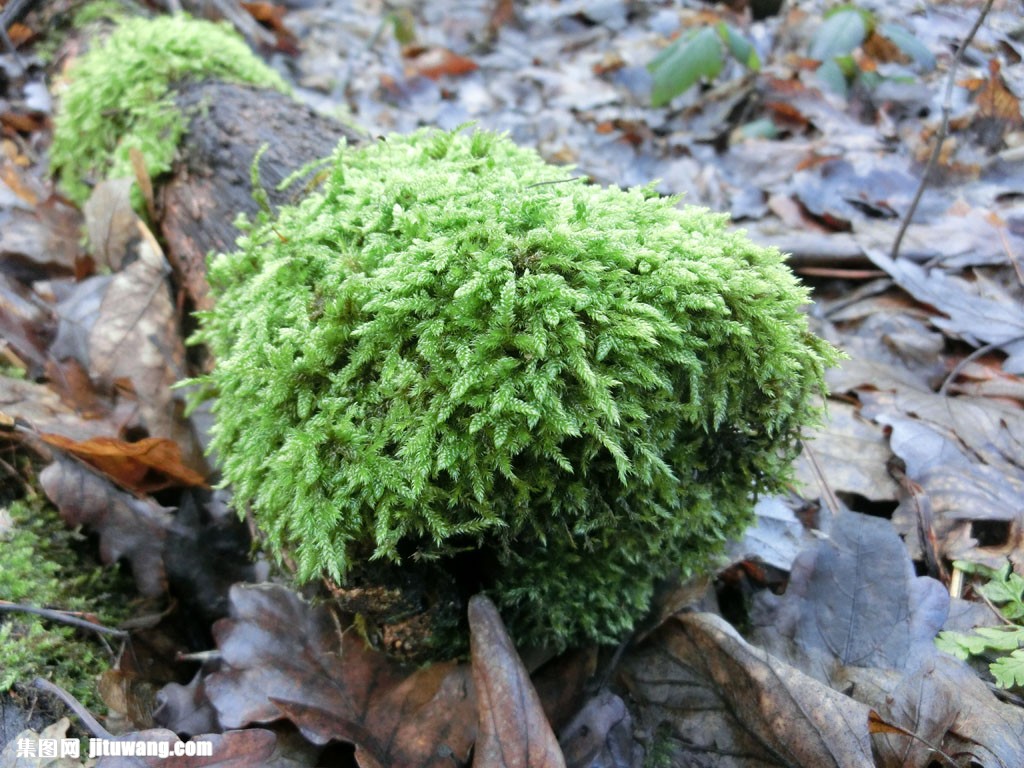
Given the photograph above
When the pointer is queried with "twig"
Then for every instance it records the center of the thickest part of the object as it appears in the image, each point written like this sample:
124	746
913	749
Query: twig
91	723
979	352
831	501
62	617
555	181
940	138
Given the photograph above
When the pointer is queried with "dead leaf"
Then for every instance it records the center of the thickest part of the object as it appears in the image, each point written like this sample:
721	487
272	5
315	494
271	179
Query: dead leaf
128	527
125	326
726	703
777	535
601	736
110	222
513	730
853	599
45	238
996	102
979	312
185	708
272	16
435	62
145	466
283	657
25	322
69	379
856	615
40	407
128	698
852	453
963	452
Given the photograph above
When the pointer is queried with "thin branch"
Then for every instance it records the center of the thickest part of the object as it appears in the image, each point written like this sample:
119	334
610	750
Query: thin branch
980	351
829	495
940	138
62	617
91	723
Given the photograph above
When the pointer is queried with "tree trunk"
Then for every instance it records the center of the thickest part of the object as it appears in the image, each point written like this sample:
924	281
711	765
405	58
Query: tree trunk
210	184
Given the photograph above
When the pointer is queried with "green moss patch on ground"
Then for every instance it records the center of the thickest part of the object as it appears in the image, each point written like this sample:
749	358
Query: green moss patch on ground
43	565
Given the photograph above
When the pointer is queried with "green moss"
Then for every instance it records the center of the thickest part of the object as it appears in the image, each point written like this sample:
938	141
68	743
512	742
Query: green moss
40	566
98	11
449	348
119	96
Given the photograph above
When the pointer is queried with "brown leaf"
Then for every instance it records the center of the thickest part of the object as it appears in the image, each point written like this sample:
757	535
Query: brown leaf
601	734
145	466
978	311
40	407
560	683
962	452
130	330
110	222
25	322
852	453
129	699
514	732
996	101
272	17
283	657
185	708
128	527
729	704
46	237
436	62
71	381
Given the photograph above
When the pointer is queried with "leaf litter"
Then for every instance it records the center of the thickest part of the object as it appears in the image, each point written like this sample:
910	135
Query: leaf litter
924	425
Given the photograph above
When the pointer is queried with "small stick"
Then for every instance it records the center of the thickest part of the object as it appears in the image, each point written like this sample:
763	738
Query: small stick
91	723
62	617
940	138
979	352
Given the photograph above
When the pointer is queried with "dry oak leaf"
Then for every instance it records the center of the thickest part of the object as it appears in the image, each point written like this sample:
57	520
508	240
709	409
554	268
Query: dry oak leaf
514	731
283	657
128	527
724	702
148	465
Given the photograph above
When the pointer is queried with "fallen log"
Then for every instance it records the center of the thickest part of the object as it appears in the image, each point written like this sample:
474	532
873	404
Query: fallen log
211	181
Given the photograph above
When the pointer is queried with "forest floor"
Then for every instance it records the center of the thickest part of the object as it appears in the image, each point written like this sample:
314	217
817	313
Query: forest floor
815	645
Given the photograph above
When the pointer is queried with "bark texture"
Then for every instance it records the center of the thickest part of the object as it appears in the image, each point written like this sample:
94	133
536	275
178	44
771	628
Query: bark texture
211	184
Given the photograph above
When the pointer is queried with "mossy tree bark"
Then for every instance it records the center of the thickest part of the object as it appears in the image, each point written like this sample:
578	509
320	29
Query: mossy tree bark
211	181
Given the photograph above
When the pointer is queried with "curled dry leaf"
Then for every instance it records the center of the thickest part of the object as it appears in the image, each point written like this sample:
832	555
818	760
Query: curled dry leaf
979	311
284	658
723	702
142	467
514	732
601	736
128	527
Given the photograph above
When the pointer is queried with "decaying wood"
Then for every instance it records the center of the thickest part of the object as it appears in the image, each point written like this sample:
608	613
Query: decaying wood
211	184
